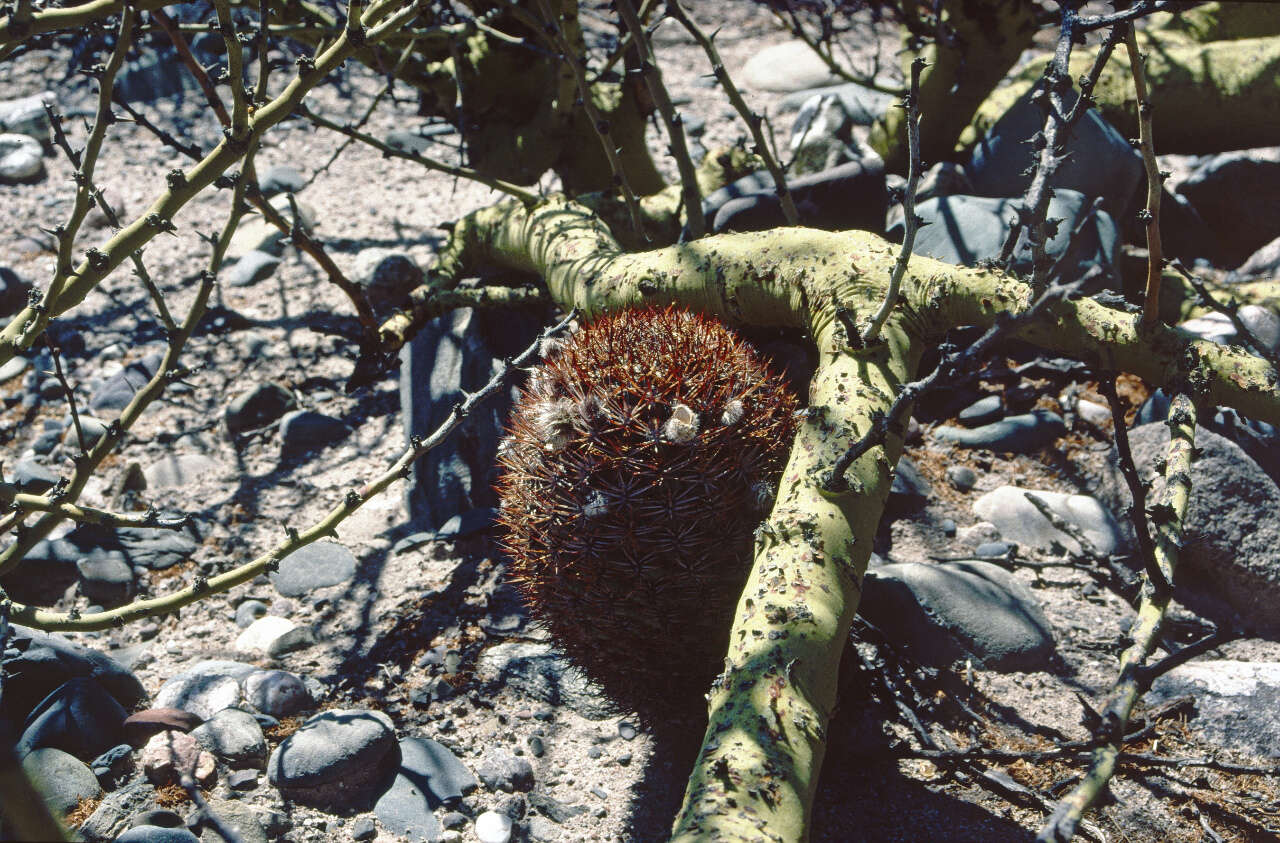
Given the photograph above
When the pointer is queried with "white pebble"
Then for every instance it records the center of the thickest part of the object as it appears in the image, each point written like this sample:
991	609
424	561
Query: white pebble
492	827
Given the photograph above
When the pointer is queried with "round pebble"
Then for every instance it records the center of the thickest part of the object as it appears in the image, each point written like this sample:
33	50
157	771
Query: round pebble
492	827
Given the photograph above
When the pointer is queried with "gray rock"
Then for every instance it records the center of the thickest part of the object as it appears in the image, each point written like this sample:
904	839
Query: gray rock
1231	571
61	779
964	230
337	759
31	477
909	490
176	471
26	116
255	234
1015	434
436	770
364	828
317	565
493	827
1236	702
273	636
278	693
852	195
1018	519
1264	263
249	611
280	178
1238	195
45	661
961	477
822	136
79	718
162	817
114	813
258	406
790	66
156	834
13	297
455	353
1264	324
235	737
205	688
252	267
155	75
386	276
500	770
105	579
21	159
960	610
863	105
115	393
114	766
303	431
154	549
405	810
1099	162
15	365
239	817
539	672
983	411
92	429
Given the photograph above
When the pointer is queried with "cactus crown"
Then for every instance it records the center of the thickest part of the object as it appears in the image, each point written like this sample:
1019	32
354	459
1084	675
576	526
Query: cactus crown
641	456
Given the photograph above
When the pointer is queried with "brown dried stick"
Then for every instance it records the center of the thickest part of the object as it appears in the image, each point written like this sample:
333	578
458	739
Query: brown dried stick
1150	215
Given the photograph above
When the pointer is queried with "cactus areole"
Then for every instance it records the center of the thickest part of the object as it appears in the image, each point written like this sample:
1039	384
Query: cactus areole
641	456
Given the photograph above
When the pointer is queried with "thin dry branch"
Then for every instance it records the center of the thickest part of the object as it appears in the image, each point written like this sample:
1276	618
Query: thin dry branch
1150	215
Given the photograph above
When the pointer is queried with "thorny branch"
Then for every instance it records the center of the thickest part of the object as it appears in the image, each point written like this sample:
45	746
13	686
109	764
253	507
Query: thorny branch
1150	215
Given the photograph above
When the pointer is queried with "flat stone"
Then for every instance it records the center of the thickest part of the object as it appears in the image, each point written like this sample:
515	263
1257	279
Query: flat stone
256	234
541	673
386	275
176	471
252	267
433	766
233	736
273	635
249	611
239	817
119	809
277	693
364	828
156	834
205	688
280	178
317	565
1236	702
258	406
863	105
786	67
964	610
983	411
303	431
500	770
910	490
80	717
26	116
115	393
21	159
851	195
169	755
406	810
142	725
14	366
1238	195
105	578
61	779
157	74
1264	263
13	297
1018	520
1015	434
961	477
114	766
145	547
31	477
338	758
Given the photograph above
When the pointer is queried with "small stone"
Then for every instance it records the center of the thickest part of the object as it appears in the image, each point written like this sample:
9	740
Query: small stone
233	736
1015	434
168	756
105	579
141	726
791	66
243	780
335	758
32	478
21	159
536	747
500	770
626	731
249	611
252	267
948	528
115	393
245	821
386	275
983	411
14	366
317	565
256	234
46	661
176	471
1236	702
961	477
258	406
1093	413
1019	520
156	834
992	550
206	688
303	431
364	828
27	116
280	178
492	827
277	693
160	816
60	778
113	766
274	636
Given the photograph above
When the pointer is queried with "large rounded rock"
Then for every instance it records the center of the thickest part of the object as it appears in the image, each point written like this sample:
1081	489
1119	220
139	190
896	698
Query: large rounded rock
21	159
339	758
969	610
1019	520
205	688
234	736
60	778
1231	570
80	718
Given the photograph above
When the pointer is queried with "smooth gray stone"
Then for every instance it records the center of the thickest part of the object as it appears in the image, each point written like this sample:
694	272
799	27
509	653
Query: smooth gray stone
961	477
957	611
13	296
1015	434
114	766
119	809
539	672
60	778
155	75
205	688
454	353
21	159
364	828
152	548
239	817
27	116
1237	194
32	477
337	759
1237	703
105	579
258	406
863	105
44	661
1264	263
910	489
117	391
983	411
964	230
303	431
406	807
234	736
249	611
252	267
386	276
1098	160
849	196
162	817
281	178
156	834
1231	571
789	66
278	693
1020	521
442	777
80	717
317	565
500	770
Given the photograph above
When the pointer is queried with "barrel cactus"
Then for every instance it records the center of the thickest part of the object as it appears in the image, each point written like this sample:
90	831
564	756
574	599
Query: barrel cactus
641	456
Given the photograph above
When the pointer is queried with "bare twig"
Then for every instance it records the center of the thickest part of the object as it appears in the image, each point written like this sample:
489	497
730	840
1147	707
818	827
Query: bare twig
1133	681
912	223
189	61
754	121
672	118
1151	214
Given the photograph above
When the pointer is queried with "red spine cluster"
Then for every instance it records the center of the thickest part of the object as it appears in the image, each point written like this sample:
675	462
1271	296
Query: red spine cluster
641	456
